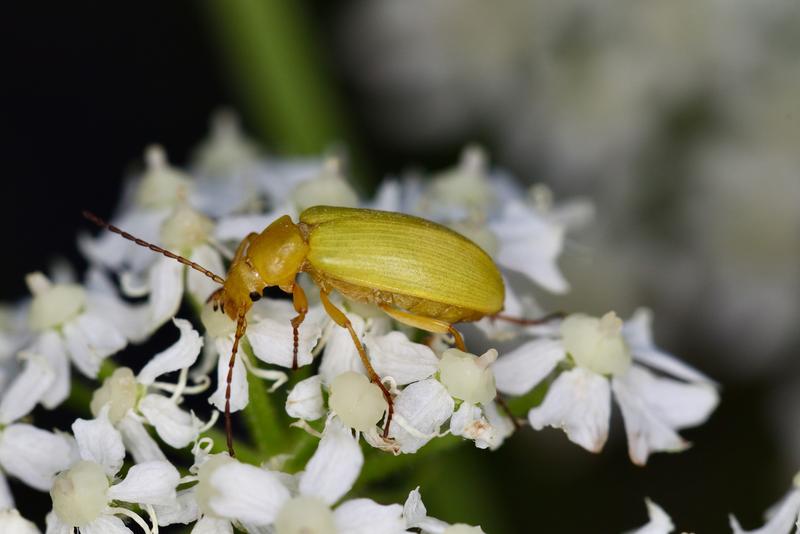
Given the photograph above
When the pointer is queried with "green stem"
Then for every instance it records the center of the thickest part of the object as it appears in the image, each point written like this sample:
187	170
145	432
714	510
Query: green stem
265	424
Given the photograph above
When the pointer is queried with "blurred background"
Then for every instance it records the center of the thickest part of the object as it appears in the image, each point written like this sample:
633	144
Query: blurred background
680	120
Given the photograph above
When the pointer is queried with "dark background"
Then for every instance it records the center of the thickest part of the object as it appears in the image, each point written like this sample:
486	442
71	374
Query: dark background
86	87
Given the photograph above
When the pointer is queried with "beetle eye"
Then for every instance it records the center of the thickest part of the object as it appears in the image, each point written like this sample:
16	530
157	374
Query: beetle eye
255	296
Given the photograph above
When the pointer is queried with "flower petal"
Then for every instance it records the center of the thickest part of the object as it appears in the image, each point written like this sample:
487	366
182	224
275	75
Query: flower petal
106	524
33	383
784	518
639	336
210	525
334	467
341	354
55	526
166	291
183	353
530	244
518	371
183	510
33	455
138	442
199	285
579	402
6	499
272	338
240	396
89	339
660	522
247	493
176	427
364	516
468	421
99	442
420	409
305	399
395	355
416	515
13	523
653	408
147	483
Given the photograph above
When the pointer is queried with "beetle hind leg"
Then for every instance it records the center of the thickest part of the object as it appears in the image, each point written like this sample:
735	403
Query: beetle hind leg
341	319
437	326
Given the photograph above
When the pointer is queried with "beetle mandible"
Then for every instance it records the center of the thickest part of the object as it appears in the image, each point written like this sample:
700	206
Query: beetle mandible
418	272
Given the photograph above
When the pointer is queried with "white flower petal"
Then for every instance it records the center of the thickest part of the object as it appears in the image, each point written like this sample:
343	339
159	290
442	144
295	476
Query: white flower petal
99	442
305	399
654	408
33	455
176	427
240	395
520	370
638	335
530	244
30	385
468	421
340	353
55	526
236	227
420	409
106	524
579	402
782	521
364	516
395	355
147	483
210	525
272	338
6	499
13	523
247	493
138	441
110	250
183	510
416	515
183	353
501	423
334	467
199	285
660	522
166	290
53	349
89	339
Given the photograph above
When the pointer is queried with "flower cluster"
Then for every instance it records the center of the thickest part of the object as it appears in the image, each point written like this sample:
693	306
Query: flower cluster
113	469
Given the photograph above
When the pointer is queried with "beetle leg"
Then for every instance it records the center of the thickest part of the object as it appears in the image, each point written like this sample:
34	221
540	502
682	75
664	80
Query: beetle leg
241	326
300	303
341	319
425	323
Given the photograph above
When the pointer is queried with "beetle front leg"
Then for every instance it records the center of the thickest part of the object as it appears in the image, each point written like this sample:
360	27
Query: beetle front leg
428	324
341	319
300	303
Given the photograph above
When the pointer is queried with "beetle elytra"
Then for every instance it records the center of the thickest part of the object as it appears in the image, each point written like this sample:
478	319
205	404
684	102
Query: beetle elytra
418	272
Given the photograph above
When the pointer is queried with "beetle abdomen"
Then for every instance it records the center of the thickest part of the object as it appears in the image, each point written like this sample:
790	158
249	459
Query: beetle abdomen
403	256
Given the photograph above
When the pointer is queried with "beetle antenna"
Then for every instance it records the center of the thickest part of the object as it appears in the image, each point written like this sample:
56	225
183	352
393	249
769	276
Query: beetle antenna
155	248
241	326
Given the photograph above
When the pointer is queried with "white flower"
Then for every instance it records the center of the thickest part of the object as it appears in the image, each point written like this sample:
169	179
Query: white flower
782	518
134	400
13	523
416	516
262	498
85	494
601	356
660	522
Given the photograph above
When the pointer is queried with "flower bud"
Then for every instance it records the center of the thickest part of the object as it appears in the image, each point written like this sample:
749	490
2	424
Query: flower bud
80	494
358	402
596	344
120	390
162	185
53	305
185	229
302	515
468	377
329	188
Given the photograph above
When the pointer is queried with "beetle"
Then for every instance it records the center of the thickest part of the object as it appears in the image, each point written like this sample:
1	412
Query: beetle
418	272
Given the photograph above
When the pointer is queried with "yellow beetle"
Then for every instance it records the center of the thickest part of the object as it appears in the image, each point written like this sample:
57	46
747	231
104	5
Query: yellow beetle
418	272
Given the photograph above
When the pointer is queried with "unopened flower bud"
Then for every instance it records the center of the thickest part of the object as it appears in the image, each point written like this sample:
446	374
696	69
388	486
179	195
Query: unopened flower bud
162	185
302	515
329	188
53	305
468	377
358	402
596	344
185	228
120	390
80	494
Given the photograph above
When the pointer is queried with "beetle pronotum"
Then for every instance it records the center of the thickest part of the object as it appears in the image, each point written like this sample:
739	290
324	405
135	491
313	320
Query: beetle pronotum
418	272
